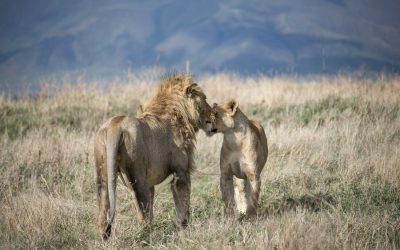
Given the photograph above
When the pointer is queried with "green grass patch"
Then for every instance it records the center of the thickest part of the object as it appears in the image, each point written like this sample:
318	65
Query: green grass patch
367	198
318	112
373	197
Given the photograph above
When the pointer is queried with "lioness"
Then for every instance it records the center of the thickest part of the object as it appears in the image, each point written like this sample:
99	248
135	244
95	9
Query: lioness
243	155
147	149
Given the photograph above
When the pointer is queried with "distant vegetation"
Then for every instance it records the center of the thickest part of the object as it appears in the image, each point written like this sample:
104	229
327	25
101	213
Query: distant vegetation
332	179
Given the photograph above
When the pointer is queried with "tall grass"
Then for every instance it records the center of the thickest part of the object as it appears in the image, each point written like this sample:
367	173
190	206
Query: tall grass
332	179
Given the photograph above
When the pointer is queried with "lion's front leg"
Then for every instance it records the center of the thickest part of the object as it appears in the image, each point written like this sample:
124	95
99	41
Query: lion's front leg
180	187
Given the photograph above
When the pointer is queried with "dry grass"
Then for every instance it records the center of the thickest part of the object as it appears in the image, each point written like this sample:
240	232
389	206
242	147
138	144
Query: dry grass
332	179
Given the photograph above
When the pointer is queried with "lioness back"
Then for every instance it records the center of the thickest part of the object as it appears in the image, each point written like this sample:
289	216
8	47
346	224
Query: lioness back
259	130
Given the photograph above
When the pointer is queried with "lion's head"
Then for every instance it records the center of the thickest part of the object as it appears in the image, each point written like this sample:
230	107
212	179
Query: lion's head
198	107
183	103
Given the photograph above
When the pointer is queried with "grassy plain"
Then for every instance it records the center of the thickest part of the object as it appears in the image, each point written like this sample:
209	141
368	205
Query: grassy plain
332	179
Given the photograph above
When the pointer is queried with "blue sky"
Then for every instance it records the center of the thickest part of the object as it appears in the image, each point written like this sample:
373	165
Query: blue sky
104	38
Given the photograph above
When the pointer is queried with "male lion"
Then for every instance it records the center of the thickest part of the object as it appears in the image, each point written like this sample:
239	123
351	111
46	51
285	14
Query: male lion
243	155
147	149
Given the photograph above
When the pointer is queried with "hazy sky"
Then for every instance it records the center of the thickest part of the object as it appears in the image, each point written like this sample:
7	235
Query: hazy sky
102	38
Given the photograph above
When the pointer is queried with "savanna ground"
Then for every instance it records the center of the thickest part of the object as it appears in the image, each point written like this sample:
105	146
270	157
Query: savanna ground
332	179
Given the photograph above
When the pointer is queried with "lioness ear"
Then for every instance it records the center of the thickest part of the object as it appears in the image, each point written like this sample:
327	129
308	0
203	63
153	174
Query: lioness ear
214	105
232	106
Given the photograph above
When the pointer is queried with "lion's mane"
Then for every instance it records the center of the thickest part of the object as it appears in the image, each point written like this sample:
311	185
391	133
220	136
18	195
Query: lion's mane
171	104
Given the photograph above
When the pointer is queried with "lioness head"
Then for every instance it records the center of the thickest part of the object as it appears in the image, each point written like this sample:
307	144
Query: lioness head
224	116
200	108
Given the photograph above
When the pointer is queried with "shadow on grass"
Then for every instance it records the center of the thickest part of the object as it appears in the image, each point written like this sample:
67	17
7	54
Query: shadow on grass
313	203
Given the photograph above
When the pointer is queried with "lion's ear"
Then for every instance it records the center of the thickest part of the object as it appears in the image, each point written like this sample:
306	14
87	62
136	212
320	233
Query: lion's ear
214	105
232	106
190	90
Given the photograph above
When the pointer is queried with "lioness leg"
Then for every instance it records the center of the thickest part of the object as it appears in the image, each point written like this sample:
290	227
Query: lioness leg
226	186
240	195
180	187
252	188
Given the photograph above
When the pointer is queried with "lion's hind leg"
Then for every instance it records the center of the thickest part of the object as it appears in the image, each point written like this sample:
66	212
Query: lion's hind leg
104	206
143	200
143	203
142	194
144	208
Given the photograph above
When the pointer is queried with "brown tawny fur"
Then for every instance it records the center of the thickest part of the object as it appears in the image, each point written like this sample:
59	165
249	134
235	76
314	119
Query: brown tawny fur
147	149
244	153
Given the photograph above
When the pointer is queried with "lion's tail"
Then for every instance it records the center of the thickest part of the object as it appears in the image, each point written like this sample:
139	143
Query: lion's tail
113	142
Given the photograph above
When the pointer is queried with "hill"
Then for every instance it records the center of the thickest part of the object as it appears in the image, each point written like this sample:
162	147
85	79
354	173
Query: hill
44	38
